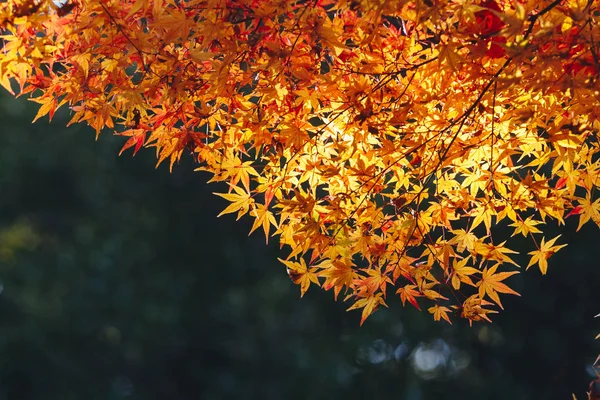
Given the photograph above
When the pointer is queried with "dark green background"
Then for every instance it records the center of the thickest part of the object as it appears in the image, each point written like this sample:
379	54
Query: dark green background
119	282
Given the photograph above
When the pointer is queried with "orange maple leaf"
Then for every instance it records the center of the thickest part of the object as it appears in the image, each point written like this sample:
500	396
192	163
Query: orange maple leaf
440	312
299	274
369	304
491	284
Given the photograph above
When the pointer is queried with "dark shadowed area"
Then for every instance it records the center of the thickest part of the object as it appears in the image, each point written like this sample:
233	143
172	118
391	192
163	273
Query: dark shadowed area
119	282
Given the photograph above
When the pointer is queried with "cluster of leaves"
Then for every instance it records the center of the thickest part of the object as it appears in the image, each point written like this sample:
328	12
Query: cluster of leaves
381	141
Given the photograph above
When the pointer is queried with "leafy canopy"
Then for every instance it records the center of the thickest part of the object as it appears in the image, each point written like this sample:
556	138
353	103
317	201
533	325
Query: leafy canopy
382	141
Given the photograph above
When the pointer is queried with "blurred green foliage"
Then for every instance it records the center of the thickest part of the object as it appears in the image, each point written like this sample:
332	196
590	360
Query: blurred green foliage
118	282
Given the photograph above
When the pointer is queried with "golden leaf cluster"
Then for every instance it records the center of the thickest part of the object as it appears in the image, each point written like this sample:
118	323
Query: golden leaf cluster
383	142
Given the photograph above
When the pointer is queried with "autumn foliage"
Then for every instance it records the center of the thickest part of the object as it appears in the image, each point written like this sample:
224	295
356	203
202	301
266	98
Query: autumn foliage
382	141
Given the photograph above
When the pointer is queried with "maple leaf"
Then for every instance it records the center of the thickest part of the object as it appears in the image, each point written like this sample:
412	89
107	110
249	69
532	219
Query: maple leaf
545	251
525	227
588	210
369	304
472	309
440	312
299	274
240	202
338	274
137	139
409	293
235	171
491	284
461	273
450	56
488	19
465	240
264	218
49	105
377	281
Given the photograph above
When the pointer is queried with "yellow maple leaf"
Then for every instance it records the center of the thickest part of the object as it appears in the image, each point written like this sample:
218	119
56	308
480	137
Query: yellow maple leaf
546	250
460	273
589	210
369	304
491	284
472	309
300	274
262	217
525	227
240	202
338	274
449	56
440	312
